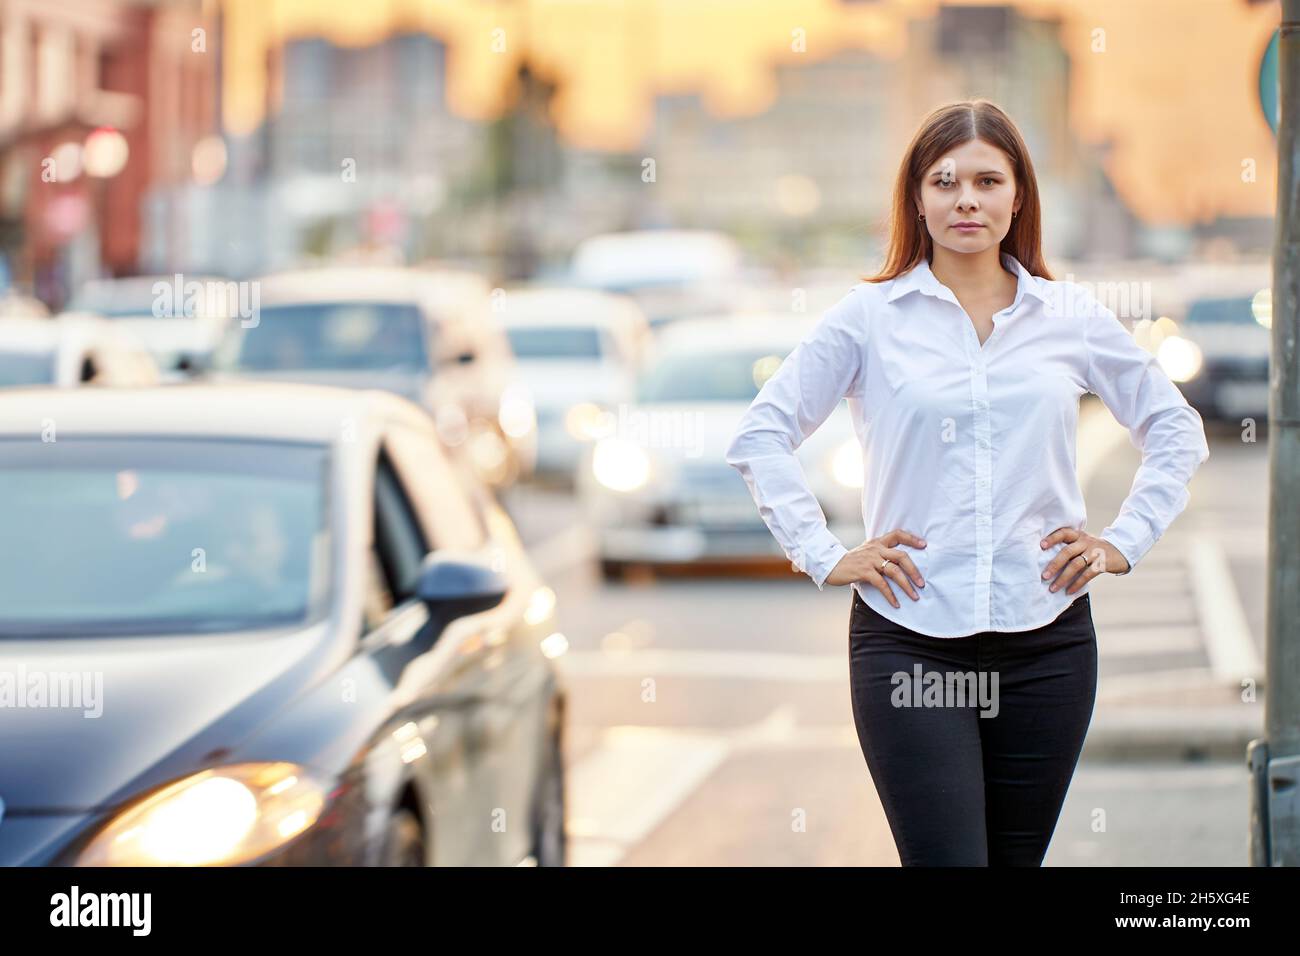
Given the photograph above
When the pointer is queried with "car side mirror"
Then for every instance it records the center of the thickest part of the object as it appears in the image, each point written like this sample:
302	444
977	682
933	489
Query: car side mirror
454	586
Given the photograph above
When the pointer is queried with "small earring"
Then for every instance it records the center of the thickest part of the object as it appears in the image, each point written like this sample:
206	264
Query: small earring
920	217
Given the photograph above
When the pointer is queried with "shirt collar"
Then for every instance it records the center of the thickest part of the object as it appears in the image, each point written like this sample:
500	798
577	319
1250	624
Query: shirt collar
920	279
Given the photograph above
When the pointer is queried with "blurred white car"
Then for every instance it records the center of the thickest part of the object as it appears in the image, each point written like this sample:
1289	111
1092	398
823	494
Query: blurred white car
426	335
658	488
71	350
178	322
672	273
577	351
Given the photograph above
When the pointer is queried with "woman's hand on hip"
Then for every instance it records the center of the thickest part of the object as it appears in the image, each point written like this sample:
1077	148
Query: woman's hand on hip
878	560
1083	558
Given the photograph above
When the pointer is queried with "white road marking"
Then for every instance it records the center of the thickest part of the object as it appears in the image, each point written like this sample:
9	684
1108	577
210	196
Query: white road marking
634	779
746	665
1142	641
1127	686
1228	641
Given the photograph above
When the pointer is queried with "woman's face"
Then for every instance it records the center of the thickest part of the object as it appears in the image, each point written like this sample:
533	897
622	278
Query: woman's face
971	183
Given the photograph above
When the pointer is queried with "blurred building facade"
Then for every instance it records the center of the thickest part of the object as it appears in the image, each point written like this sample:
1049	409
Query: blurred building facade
101	106
358	147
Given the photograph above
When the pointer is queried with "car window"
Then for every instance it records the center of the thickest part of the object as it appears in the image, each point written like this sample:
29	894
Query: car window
328	336
707	376
558	342
398	536
1233	311
26	368
379	594
444	511
156	535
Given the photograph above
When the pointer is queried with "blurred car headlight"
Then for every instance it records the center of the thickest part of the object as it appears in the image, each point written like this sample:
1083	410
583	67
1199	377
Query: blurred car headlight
588	422
223	816
1179	357
1261	307
517	414
620	465
846	464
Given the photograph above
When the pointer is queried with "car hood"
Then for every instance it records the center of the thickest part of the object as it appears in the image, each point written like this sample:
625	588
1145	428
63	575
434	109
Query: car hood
559	384
408	384
168	336
148	708
700	432
1229	340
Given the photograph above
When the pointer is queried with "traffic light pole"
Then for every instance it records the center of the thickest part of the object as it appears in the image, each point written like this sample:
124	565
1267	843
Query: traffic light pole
1275	759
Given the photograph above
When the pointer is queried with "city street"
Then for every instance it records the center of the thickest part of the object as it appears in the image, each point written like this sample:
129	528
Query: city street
710	716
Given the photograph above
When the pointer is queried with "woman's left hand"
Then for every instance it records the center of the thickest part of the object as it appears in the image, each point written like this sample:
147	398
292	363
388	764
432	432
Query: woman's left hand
1082	559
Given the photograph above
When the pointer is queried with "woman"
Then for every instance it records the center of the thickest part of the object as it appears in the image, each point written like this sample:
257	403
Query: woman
963	363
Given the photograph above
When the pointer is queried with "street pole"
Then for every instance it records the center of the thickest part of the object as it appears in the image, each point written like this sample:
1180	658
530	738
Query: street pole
1275	759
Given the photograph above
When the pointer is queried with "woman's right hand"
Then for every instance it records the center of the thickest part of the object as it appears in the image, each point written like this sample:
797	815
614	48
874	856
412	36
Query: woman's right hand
863	564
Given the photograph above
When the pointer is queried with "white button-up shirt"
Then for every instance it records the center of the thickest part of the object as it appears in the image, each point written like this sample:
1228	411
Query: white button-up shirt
970	447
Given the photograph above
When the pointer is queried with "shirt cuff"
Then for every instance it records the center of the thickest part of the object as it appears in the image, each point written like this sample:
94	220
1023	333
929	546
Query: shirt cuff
1131	538
819	557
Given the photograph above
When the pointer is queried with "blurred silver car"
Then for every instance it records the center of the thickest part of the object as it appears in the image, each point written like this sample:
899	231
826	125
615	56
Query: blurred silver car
179	318
1218	350
577	351
72	350
657	488
426	335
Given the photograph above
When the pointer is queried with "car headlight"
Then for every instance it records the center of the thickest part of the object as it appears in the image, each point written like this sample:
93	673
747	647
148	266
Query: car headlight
1179	357
846	464
222	816
588	422
517	414
620	465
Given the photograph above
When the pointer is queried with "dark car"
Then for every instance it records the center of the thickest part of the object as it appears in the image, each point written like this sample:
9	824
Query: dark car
265	624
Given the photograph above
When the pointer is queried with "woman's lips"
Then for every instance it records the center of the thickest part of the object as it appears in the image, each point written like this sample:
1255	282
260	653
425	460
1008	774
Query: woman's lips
968	227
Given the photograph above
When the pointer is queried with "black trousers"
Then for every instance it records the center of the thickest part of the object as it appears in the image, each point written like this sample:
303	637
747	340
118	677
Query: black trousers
959	788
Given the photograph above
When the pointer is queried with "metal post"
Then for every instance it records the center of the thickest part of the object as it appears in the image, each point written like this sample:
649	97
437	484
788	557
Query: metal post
1275	761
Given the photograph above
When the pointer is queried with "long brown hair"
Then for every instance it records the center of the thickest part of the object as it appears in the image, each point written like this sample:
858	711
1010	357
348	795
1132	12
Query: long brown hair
943	130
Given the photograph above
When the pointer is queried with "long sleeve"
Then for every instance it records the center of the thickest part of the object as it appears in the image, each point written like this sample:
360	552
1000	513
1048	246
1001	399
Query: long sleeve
1169	432
821	370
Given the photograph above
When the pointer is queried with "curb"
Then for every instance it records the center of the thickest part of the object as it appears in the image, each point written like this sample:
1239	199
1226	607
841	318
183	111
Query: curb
1174	733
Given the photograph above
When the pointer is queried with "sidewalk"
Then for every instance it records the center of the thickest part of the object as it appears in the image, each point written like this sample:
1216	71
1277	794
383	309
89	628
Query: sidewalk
1193	724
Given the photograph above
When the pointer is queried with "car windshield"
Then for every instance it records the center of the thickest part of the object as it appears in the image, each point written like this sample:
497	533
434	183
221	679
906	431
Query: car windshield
332	336
556	342
709	376
26	368
160	536
1233	311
